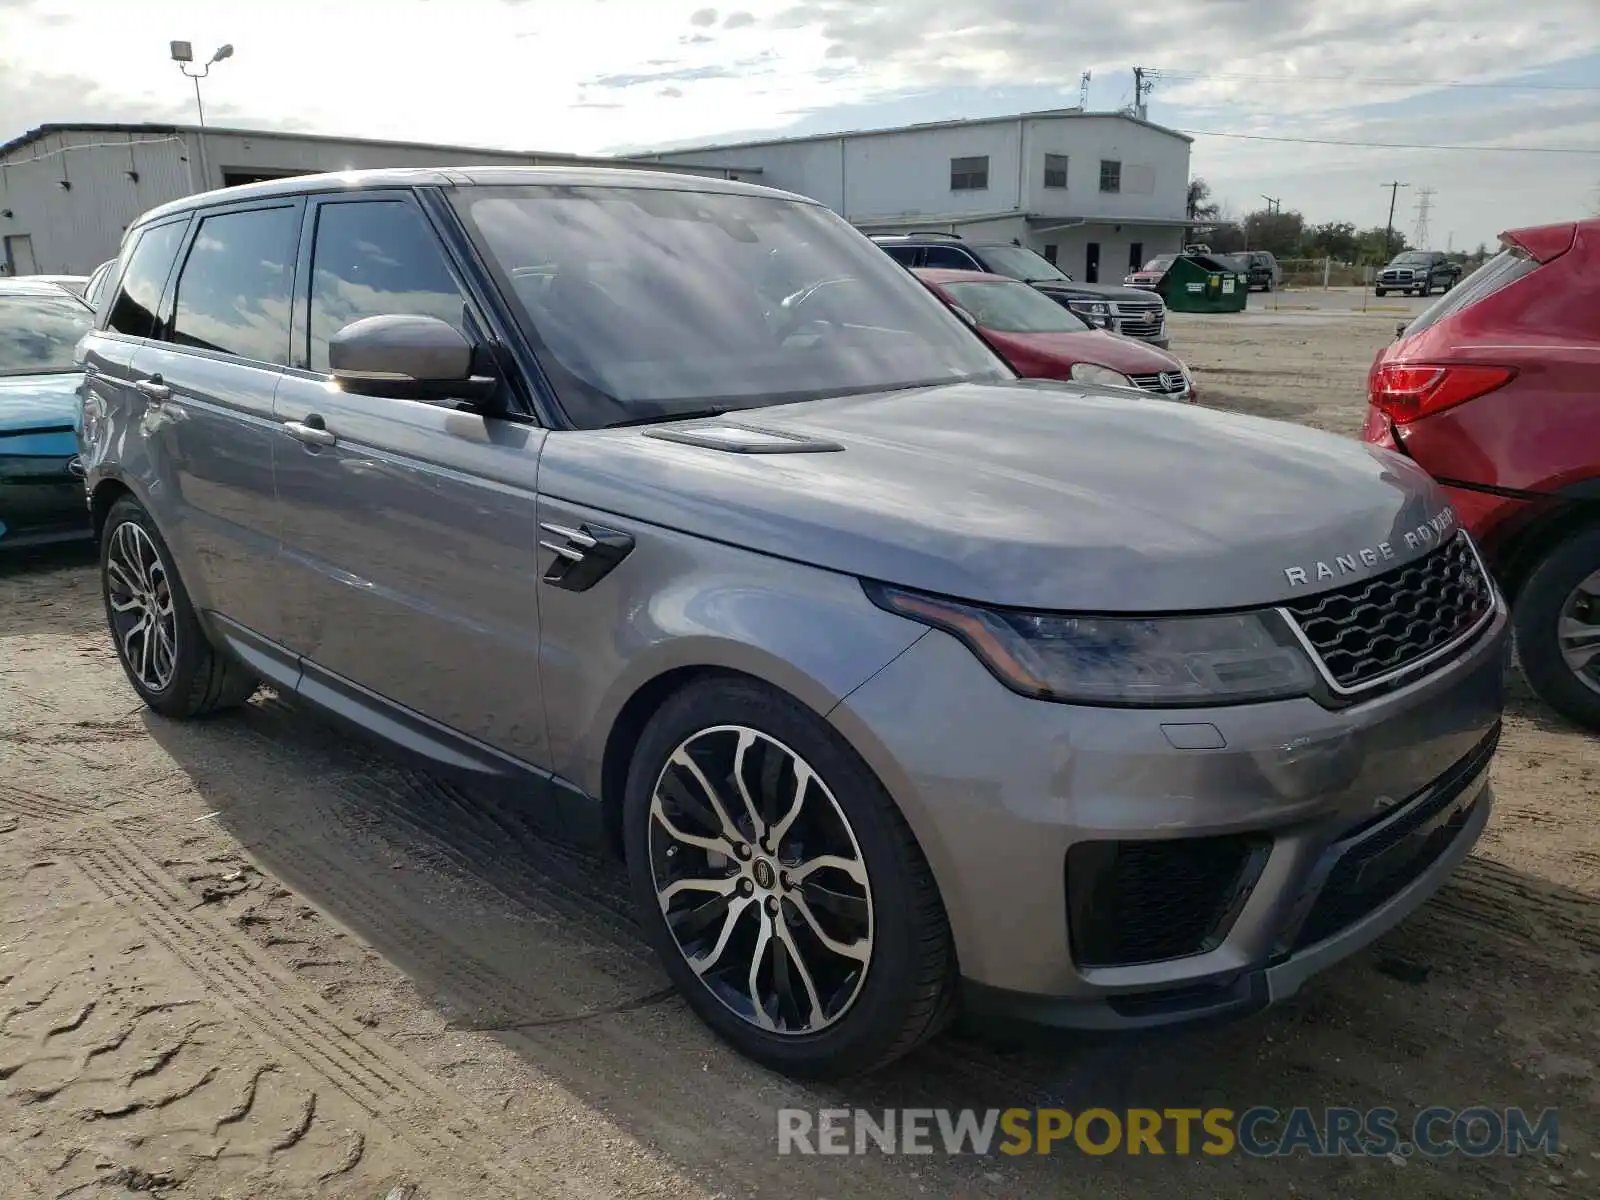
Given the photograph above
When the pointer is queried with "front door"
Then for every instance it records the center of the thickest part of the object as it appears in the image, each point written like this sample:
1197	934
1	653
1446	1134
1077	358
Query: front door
1091	263
208	376
410	529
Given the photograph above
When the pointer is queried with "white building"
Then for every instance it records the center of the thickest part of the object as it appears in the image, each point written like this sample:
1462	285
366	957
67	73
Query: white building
1095	192
67	192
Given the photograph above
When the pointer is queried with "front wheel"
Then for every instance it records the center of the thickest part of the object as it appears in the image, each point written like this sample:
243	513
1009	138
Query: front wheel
1557	623
164	652
780	885
1380	293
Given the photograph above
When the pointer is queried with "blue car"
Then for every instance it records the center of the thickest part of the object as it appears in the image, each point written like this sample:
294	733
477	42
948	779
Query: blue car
41	483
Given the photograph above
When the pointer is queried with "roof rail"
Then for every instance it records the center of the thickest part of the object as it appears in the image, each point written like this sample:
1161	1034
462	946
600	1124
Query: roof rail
938	233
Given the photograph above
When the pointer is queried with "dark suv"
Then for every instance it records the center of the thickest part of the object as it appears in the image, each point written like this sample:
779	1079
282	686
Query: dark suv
1259	268
1419	271
1133	312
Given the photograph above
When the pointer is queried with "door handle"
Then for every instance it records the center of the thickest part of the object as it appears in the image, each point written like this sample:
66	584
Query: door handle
155	389
308	434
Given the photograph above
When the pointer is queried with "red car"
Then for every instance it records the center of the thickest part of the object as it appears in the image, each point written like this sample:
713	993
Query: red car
1042	339
1493	390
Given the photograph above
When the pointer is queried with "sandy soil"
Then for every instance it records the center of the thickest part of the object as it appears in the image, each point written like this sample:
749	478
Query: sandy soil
244	958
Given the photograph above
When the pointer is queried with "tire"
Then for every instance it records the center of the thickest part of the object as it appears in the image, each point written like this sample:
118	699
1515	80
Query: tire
198	679
1536	617
904	993
1379	292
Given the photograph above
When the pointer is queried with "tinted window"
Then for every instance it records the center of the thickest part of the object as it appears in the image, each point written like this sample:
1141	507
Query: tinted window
948	257
902	254
1021	263
233	291
648	302
134	309
38	333
1012	307
1500	271
374	259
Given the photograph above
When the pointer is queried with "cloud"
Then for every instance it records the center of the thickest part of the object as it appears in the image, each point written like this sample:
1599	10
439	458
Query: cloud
738	20
671	93
704	18
684	74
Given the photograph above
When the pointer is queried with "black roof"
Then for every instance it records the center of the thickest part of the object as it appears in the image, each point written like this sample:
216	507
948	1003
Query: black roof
492	176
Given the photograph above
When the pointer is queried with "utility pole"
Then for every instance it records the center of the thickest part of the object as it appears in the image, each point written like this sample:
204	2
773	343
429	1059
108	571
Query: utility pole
1388	232
1274	203
1424	207
1143	84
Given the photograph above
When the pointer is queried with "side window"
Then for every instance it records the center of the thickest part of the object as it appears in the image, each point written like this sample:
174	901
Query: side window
133	310
233	291
948	256
376	258
904	255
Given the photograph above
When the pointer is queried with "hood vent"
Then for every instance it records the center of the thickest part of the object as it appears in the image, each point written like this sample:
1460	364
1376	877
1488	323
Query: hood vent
745	439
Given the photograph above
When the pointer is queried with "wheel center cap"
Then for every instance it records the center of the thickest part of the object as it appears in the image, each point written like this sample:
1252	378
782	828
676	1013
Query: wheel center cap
765	876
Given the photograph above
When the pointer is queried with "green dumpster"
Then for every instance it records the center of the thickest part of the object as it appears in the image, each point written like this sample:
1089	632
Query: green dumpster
1203	284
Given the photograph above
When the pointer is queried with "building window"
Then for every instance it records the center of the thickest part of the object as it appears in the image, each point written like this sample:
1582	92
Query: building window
1050	252
1110	175
1055	170
969	174
1135	255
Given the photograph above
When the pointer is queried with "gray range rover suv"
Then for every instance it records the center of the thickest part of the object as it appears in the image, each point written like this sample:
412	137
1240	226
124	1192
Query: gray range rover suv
679	509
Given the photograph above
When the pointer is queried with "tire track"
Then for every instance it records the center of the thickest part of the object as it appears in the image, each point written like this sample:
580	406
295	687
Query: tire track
291	1023
37	806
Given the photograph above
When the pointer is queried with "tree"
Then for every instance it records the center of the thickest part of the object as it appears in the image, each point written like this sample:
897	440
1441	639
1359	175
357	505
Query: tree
1200	205
1333	239
1279	232
1370	245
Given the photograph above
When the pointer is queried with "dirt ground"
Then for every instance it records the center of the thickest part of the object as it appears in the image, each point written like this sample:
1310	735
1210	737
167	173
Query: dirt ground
246	958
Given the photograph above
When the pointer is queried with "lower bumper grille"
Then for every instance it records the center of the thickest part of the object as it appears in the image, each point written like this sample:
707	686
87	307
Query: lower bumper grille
1134	902
1380	858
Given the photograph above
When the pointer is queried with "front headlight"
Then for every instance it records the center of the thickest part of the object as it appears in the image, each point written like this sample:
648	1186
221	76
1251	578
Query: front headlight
1094	373
1188	379
1089	308
1226	658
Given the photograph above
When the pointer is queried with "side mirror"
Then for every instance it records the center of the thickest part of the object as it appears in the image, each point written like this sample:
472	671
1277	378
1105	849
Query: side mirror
406	357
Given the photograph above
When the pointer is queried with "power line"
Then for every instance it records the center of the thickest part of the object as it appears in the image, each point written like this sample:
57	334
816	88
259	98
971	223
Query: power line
1262	137
1423	83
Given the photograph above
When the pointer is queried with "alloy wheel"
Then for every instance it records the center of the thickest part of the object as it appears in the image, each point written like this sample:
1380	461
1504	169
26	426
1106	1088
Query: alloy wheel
139	595
761	880
1578	631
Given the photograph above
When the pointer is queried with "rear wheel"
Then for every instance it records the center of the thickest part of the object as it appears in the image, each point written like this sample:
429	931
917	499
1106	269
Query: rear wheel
780	885
163	650
1557	622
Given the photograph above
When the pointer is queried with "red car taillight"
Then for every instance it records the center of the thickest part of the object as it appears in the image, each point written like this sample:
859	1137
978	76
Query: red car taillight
1409	391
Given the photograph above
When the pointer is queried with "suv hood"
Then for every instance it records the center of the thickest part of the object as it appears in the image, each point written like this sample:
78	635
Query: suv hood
1100	291
1031	494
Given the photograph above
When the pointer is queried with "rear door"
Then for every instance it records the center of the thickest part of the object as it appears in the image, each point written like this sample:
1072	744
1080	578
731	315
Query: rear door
208	378
410	528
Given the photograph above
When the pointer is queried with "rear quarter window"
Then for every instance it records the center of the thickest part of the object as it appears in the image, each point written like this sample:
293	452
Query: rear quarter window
1501	271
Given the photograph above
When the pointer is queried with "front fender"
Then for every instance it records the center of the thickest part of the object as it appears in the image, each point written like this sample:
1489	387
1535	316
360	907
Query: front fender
680	603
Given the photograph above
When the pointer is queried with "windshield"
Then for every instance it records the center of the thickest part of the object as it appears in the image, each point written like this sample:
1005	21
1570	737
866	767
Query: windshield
38	333
1012	307
1021	263
1161	262
650	303
1409	260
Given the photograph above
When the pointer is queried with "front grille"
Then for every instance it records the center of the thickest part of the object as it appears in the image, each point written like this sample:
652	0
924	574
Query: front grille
1369	630
1396	277
1134	902
1382	856
1169	383
1140	318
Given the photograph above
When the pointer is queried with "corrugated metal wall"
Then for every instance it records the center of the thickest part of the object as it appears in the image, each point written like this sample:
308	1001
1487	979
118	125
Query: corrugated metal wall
114	177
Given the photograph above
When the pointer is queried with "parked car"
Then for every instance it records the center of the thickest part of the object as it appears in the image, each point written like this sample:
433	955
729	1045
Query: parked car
1148	277
900	682
94	291
1042	340
1259	268
1419	272
1121	310
1491	389
41	483
71	283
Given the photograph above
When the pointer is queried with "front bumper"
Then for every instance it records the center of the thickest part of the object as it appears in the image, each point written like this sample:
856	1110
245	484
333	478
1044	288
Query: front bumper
1001	792
41	498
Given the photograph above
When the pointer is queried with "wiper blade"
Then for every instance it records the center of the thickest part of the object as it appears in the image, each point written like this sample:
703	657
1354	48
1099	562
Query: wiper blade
690	414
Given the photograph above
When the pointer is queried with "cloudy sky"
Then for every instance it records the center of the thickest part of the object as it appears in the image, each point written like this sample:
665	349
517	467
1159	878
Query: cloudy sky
606	75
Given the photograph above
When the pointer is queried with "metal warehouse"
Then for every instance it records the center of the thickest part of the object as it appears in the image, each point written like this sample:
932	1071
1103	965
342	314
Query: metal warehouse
68	191
1096	193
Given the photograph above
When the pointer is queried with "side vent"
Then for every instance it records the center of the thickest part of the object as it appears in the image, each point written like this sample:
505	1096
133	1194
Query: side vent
583	556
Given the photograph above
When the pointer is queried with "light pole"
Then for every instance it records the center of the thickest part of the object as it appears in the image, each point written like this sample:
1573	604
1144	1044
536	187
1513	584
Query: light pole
183	55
